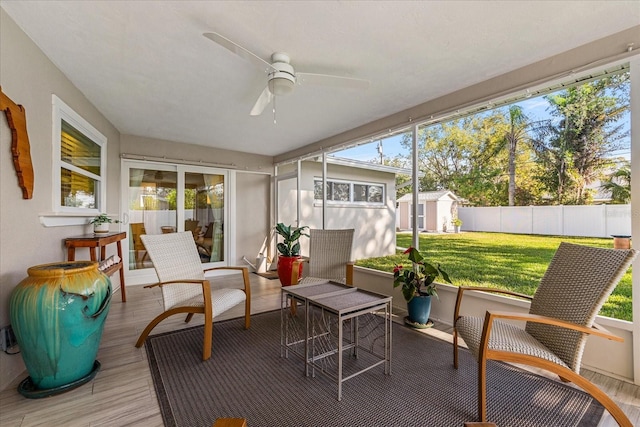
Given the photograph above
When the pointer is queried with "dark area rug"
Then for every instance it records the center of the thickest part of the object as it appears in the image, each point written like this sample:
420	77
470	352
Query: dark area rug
246	377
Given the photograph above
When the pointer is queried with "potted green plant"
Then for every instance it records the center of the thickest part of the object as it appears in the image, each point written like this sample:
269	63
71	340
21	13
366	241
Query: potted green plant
289	251
418	286
101	223
456	222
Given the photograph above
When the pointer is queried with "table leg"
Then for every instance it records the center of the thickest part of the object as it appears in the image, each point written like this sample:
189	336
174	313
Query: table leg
340	325
123	293
388	337
306	338
71	253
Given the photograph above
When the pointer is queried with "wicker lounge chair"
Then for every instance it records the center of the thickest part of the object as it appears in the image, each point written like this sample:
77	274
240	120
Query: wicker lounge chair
578	281
184	287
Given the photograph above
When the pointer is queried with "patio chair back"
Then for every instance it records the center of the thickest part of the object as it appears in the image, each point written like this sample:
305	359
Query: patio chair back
577	283
175	257
329	252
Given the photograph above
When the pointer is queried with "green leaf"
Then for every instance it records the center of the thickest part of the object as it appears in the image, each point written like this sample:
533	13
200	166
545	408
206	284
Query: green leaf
295	249
283	249
445	276
408	292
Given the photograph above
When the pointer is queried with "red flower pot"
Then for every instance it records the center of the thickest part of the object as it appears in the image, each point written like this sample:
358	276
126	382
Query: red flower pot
285	269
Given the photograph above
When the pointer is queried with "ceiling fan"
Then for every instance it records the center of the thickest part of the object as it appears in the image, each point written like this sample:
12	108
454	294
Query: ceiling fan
282	77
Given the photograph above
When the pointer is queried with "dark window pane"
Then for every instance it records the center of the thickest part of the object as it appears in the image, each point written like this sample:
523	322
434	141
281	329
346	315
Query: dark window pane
359	193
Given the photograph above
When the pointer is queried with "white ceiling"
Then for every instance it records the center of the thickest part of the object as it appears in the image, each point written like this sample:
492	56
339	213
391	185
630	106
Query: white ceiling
146	66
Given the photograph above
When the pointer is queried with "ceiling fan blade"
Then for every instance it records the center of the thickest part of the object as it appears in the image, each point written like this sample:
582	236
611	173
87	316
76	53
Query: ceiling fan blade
263	100
240	51
331	80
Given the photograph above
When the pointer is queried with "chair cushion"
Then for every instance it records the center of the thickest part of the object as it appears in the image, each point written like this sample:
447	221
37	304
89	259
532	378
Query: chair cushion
504	337
221	300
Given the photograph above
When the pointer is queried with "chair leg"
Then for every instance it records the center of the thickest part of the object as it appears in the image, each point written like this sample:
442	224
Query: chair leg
150	326
455	348
593	390
208	320
482	389
247	314
189	317
208	333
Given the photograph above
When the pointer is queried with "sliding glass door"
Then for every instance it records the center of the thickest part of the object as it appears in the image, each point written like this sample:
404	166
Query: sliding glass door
204	213
164	198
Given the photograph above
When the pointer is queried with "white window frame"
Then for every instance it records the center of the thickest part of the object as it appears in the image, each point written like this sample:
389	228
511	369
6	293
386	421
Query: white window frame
62	111
351	202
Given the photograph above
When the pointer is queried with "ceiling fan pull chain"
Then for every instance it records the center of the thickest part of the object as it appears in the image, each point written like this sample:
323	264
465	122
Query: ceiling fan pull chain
274	110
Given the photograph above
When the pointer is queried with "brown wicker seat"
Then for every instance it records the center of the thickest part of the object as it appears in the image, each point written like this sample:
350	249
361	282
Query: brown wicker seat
185	288
329	257
578	281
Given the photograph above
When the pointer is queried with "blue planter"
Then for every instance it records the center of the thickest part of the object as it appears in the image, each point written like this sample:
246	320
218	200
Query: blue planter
419	309
58	316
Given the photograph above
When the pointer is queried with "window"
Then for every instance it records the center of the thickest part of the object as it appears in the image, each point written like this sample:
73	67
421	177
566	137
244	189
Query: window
79	175
350	192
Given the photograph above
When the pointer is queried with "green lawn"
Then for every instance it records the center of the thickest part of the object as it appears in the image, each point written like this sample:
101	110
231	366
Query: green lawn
508	261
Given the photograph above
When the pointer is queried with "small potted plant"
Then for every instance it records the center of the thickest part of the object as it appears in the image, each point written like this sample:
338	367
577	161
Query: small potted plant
456	222
418	286
289	251
101	223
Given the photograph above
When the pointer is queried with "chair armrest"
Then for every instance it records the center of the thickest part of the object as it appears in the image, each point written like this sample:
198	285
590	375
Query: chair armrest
295	270
462	289
245	276
596	329
153	285
349	273
206	290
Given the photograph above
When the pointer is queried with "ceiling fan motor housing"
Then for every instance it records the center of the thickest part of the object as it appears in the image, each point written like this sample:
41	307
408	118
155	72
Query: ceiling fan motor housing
283	79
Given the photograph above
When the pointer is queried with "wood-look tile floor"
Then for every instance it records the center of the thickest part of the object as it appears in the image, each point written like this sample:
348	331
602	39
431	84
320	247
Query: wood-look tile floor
122	393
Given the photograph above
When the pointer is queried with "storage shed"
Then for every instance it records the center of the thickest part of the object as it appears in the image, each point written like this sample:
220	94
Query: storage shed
436	209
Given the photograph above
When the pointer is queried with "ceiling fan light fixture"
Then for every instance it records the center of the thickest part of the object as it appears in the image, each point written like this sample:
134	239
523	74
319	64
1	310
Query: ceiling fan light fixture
279	86
281	83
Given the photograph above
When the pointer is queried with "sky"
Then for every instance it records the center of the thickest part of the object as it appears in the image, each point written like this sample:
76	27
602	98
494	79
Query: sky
534	108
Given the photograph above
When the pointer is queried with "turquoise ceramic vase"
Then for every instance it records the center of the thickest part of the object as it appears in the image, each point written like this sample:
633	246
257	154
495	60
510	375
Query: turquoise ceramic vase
58	316
419	309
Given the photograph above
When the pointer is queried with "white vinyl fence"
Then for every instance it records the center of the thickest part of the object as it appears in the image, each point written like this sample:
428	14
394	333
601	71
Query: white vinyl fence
587	221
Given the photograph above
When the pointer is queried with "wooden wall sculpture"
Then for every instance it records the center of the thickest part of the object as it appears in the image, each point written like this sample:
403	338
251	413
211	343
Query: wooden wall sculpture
20	149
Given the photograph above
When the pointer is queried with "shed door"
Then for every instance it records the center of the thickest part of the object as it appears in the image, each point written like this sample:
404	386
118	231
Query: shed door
432	216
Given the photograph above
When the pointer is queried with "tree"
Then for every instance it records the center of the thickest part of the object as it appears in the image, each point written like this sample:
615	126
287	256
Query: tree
403	182
584	130
468	157
619	184
517	132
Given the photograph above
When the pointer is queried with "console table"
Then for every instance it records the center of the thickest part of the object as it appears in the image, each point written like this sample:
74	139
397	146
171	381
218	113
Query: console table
336	318
95	241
